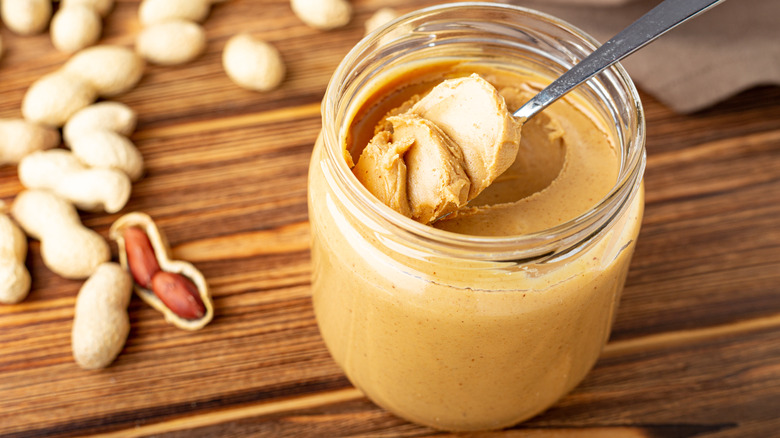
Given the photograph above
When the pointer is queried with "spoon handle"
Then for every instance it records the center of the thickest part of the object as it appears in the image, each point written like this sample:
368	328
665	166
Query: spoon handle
647	28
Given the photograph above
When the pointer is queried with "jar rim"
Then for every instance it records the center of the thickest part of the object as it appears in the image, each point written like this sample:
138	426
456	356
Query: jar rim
548	242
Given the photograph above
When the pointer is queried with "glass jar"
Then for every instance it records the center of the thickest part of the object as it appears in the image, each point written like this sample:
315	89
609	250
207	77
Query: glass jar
454	331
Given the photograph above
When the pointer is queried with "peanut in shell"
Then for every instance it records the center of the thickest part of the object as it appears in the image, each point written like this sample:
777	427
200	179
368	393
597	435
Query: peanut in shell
162	253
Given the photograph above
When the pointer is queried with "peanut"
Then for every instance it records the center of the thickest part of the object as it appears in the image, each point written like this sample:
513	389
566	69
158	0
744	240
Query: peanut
100	321
111	116
26	17
102	7
109	150
19	138
14	277
75	27
177	289
380	17
67	247
53	98
171	42
62	173
252	63
155	11
111	70
179	294
140	256
323	14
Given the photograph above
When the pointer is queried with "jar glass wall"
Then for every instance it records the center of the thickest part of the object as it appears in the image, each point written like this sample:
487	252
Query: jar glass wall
456	331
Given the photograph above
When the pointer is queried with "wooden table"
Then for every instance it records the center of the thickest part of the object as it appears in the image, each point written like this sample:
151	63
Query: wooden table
695	350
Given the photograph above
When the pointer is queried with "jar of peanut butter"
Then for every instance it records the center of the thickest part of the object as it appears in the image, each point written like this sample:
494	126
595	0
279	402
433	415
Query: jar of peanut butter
487	316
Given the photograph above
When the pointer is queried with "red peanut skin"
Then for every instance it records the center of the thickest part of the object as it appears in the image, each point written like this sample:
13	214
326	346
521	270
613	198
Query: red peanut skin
141	259
179	294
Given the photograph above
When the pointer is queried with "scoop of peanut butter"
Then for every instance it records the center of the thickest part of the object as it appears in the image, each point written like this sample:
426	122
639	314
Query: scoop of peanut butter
433	157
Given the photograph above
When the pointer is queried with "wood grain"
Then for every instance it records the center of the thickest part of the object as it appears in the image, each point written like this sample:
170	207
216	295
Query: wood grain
696	345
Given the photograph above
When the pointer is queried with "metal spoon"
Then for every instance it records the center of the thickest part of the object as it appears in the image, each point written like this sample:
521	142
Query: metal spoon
659	20
647	28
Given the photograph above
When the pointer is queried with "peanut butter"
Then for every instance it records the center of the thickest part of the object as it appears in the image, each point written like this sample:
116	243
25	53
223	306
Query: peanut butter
458	343
443	149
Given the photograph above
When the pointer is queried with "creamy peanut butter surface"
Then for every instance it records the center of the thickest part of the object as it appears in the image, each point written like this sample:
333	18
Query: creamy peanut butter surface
455	343
459	144
433	154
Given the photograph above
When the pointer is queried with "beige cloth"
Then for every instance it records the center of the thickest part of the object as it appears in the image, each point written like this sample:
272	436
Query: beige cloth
730	48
